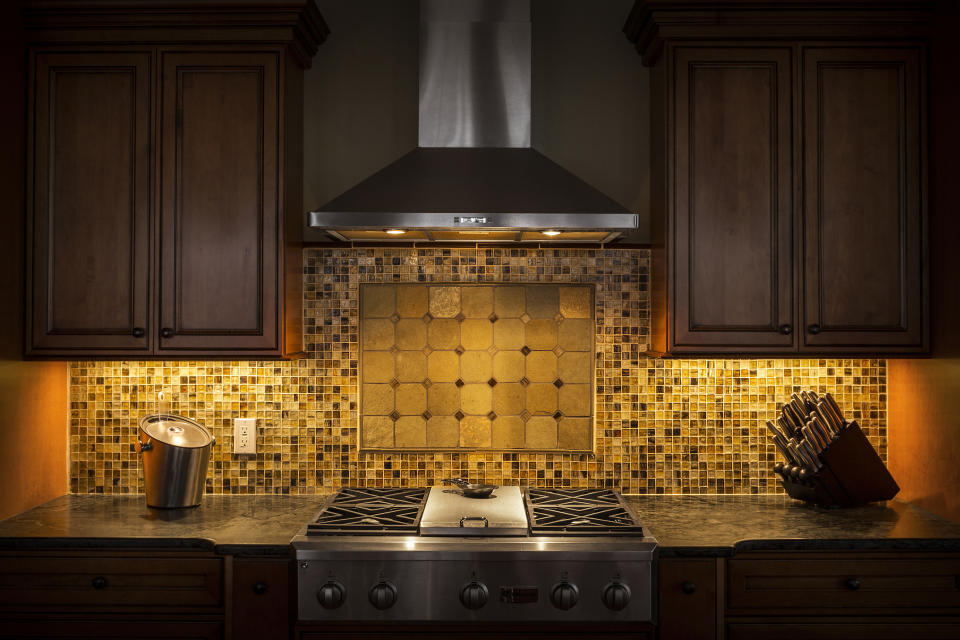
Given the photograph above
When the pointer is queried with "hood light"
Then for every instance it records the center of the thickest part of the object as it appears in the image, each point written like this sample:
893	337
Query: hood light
396	232
550	233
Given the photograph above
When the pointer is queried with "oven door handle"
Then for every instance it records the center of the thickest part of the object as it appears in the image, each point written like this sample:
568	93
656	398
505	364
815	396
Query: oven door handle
486	523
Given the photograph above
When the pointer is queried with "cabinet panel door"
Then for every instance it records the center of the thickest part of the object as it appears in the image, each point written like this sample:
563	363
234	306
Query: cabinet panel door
863	202
688	598
219	202
732	242
261	599
90	204
929	629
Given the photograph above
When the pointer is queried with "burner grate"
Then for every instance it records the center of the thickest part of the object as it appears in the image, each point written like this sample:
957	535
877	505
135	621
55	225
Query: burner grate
356	510
580	512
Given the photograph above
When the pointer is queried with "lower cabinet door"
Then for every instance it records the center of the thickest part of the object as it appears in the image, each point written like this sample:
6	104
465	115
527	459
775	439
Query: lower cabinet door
688	598
874	630
261	600
115	629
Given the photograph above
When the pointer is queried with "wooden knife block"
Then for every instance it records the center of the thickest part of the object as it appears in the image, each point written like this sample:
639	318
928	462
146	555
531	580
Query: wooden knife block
852	474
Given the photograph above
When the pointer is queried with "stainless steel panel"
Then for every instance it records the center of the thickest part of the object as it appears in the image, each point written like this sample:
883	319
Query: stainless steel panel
475	73
431	590
453	221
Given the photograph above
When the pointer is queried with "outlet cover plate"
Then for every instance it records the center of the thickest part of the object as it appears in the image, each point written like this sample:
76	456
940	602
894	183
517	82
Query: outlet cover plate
244	435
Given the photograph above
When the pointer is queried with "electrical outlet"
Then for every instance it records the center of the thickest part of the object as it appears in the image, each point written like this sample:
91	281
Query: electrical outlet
244	435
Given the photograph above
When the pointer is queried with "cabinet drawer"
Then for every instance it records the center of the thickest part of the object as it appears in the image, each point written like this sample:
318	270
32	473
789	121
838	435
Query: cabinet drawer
828	584
111	581
896	630
115	629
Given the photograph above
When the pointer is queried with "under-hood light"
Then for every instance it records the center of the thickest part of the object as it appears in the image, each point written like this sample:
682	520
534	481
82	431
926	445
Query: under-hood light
396	232
550	233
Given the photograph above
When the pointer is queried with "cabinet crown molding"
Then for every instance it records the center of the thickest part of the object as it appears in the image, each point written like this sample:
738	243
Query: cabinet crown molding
296	23
651	23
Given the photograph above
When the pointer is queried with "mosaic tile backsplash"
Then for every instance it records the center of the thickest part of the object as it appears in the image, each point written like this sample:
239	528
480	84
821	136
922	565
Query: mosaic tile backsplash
662	425
476	367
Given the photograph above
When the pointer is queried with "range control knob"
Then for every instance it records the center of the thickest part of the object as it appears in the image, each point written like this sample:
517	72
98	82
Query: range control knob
615	596
331	595
474	595
383	595
564	595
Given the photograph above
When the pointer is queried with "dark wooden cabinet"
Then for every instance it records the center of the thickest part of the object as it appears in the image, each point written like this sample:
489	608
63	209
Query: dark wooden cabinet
90	200
788	177
733	255
220	256
262	598
863	205
689	599
165	169
111	593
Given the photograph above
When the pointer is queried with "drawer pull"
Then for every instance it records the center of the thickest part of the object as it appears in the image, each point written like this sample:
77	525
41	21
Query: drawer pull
260	588
853	584
99	583
688	587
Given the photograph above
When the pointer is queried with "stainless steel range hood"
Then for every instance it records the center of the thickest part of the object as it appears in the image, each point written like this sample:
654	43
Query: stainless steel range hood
474	176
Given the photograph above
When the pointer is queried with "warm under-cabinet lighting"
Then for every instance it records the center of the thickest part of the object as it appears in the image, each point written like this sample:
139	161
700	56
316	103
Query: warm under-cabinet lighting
396	232
550	233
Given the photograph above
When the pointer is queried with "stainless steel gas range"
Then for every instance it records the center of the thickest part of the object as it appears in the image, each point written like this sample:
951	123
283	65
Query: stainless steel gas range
551	555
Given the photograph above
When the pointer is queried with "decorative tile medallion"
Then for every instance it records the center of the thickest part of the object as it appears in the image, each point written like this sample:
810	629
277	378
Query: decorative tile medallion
434	352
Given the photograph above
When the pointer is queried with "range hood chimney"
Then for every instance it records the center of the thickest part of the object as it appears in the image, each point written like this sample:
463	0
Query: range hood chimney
474	176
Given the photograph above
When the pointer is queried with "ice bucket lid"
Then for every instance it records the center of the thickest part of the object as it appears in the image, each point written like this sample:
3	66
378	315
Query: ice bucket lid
175	430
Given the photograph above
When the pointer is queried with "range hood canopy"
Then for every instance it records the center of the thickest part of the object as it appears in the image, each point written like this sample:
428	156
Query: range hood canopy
474	176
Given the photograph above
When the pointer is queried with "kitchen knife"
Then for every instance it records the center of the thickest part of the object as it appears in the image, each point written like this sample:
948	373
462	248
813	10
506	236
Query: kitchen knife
825	411
812	441
784	447
793	415
773	429
785	426
820	431
817	465
800	403
814	398
836	409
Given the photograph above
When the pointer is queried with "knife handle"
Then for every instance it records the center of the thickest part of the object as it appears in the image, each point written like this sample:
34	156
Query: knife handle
836	408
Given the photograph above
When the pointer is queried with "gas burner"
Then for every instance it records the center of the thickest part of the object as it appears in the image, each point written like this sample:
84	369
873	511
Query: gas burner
580	512
360	511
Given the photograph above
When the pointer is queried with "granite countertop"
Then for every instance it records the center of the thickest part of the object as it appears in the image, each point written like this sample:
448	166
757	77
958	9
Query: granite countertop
724	525
683	525
228	524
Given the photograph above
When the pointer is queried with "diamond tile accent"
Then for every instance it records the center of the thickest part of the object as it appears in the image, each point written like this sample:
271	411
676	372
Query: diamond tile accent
427	383
557	415
427	317
559	351
525	350
394	349
427	351
395	318
526	415
426	415
493	349
492	416
394	415
492	382
524	318
394	383
460	317
524	381
459	350
459	382
558	318
558	383
493	317
458	415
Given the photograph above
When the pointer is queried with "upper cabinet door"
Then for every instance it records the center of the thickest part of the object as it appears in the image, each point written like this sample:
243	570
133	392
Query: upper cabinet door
89	204
732	231
864	144
219	255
